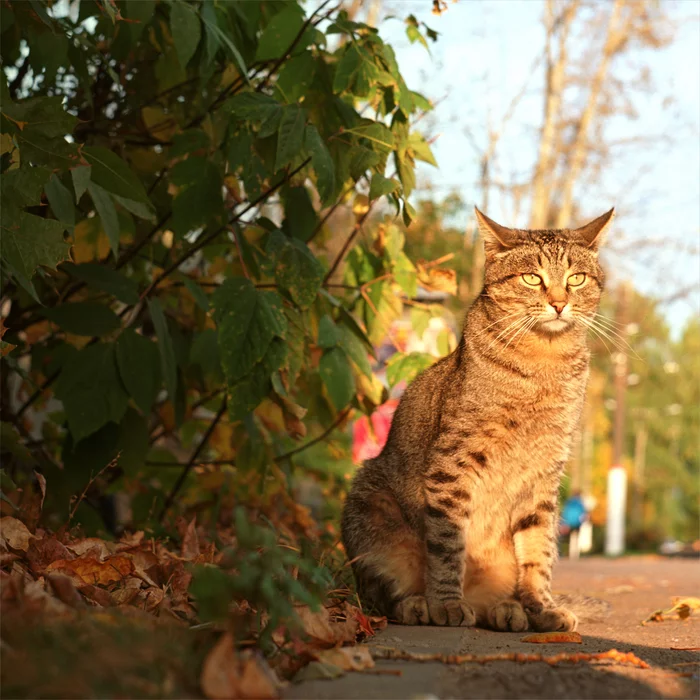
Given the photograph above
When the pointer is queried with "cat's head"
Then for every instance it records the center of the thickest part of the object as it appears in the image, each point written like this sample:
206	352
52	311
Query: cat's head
552	278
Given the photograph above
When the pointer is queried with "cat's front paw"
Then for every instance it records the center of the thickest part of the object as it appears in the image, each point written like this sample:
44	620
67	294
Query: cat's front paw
553	620
507	616
453	612
412	611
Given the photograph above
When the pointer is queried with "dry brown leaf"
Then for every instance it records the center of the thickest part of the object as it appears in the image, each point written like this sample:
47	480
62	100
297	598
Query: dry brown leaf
33	502
15	533
63	588
682	606
127	591
553	638
96	595
227	674
149	599
436	279
92	546
95	572
44	551
324	632
190	541
348	658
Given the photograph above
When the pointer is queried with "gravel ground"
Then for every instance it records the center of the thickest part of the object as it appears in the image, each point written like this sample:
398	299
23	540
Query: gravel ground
635	586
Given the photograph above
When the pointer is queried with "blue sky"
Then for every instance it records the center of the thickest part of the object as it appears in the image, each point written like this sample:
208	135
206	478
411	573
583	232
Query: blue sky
484	56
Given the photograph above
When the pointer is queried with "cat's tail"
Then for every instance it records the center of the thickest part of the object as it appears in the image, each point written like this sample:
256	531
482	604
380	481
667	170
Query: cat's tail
587	609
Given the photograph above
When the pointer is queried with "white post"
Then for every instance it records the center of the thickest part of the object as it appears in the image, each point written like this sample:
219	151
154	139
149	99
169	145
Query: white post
617	498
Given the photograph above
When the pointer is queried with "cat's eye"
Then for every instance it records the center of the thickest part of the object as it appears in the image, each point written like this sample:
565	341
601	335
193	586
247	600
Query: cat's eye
532	279
576	280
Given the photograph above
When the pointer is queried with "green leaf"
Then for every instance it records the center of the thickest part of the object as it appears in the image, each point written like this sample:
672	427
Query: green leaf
329	334
108	215
290	138
28	241
143	211
81	179
409	213
186	30
22	187
382	185
279	34
420	320
200	298
110	172
84	318
406	367
216	37
405	274
253	106
139	368
205	353
187	142
247	319
322	163
336	374
355	350
296	268
296	77
380	137
200	199
300	218
61	200
105	279
421	149
91	391
406	171
165	347
246	393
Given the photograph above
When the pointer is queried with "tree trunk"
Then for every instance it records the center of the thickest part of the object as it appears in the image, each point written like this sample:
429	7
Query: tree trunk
579	147
556	70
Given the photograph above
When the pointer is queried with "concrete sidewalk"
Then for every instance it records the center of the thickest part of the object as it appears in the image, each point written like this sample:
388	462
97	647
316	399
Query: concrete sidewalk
634	586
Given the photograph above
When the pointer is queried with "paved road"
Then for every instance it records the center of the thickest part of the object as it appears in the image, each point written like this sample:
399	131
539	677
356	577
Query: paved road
635	587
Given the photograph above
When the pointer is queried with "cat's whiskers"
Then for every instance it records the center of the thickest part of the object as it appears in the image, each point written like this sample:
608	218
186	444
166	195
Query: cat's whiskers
528	328
617	339
514	326
503	319
523	328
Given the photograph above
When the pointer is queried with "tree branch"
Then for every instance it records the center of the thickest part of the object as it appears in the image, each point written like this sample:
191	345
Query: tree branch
188	467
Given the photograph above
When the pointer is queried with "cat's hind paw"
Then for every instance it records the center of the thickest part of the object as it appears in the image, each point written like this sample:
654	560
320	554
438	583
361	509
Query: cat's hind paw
452	612
507	616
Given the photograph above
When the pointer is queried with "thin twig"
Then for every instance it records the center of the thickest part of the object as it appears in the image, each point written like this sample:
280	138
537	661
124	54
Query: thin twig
113	463
188	467
355	230
341	417
291	47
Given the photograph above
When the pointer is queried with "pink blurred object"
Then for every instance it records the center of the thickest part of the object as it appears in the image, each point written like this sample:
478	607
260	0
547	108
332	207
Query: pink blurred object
368	441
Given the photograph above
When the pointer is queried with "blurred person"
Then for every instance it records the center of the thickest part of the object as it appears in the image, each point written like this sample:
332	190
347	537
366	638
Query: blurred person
573	515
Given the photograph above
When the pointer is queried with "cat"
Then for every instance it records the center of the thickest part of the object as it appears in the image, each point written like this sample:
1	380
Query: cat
455	522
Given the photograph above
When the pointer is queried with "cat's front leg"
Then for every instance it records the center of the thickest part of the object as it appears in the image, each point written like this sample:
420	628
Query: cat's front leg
446	520
535	541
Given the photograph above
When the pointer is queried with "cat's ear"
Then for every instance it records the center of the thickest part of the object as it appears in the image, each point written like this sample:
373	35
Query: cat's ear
591	235
497	238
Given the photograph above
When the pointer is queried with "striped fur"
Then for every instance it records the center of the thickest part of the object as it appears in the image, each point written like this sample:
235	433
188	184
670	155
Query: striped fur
454	523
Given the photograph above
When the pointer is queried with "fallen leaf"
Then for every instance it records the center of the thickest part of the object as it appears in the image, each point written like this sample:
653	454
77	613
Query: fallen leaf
190	541
228	674
92	571
348	658
322	631
682	606
127	591
93	546
15	533
44	551
65	591
553	638
318	671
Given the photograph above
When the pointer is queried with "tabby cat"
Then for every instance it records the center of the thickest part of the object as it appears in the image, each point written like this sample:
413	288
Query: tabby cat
455	522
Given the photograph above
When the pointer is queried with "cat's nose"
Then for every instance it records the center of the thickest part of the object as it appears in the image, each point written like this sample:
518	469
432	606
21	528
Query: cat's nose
558	305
